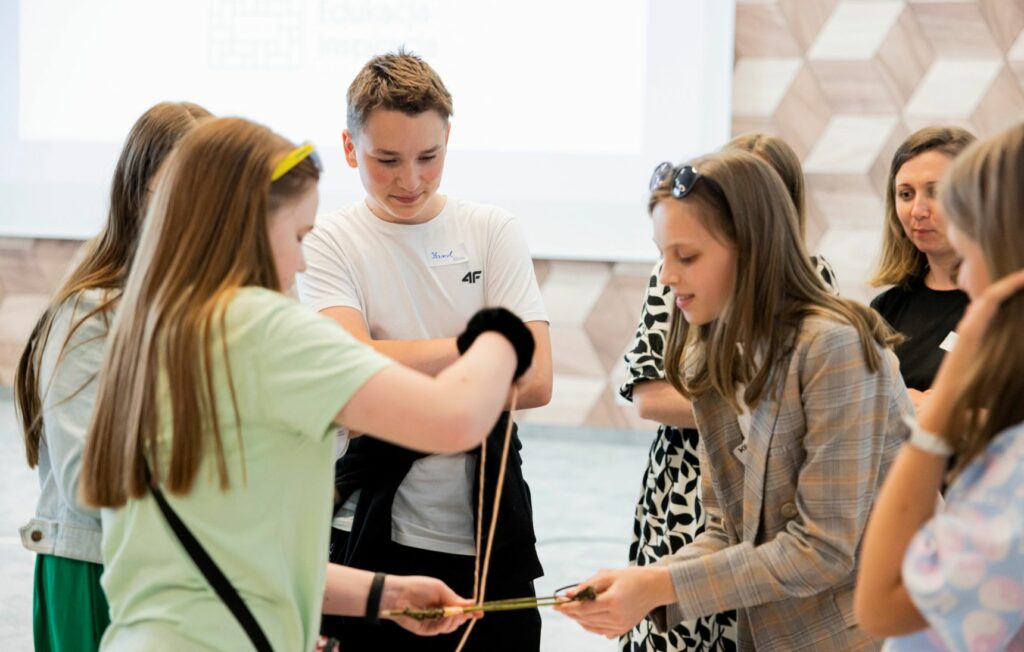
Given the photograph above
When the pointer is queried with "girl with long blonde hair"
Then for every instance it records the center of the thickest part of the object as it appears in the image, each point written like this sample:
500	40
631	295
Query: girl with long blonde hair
951	575
797	399
218	403
55	387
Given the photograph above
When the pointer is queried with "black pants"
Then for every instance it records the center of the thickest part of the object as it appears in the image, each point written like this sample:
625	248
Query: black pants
508	631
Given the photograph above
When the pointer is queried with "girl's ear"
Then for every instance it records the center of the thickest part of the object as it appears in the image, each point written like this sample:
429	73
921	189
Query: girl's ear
349	145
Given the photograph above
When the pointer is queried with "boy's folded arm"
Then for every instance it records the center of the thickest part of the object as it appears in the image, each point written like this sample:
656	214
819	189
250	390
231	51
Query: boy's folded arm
434	355
426	356
535	385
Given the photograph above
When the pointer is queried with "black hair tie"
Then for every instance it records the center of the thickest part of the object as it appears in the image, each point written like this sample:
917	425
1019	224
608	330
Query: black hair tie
373	598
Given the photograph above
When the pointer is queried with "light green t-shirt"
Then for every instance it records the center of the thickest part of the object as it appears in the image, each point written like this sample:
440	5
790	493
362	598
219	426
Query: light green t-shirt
293	370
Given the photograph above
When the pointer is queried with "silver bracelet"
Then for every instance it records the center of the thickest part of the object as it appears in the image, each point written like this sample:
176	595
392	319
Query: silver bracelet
925	441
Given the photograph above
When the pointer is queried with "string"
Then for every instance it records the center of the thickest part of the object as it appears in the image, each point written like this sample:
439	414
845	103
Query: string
479	522
480	577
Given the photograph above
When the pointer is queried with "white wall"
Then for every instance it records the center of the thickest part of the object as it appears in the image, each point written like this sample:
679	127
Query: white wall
562	107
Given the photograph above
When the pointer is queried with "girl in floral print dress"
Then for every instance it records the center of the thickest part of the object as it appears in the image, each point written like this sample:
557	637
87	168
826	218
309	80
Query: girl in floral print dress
951	576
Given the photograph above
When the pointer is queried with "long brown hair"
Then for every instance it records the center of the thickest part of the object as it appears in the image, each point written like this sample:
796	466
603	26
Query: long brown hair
746	205
108	256
205	237
901	262
984	199
780	156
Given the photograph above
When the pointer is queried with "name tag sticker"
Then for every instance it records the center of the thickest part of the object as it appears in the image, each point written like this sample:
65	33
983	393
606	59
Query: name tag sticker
448	255
741	452
948	343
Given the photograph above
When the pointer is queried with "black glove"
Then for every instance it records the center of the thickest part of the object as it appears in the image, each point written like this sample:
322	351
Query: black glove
506	323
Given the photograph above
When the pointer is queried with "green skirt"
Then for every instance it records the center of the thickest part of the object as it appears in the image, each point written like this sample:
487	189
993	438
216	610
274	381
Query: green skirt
70	611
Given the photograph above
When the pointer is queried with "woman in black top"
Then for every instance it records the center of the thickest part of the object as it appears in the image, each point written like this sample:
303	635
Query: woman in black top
924	303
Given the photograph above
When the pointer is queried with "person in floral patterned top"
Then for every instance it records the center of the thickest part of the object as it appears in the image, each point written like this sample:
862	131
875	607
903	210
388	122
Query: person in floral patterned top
950	576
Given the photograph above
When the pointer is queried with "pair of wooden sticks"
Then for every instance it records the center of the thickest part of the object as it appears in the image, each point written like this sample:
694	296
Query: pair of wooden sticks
588	593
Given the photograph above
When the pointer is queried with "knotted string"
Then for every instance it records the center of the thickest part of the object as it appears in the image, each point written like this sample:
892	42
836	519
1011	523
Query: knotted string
480	576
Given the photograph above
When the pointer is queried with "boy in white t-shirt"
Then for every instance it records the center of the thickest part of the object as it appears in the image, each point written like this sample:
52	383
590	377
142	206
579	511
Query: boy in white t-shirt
404	270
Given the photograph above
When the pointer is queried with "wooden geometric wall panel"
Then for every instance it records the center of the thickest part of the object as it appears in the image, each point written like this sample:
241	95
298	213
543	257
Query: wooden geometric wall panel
868	57
30	271
803	17
762	30
594	309
1015	58
959	30
933	102
1002	104
1006	20
872	72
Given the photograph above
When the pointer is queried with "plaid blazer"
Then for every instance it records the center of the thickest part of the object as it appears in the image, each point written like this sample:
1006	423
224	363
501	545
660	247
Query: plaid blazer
784	523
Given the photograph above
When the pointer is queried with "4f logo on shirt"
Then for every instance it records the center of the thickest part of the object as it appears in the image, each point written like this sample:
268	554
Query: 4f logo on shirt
472	277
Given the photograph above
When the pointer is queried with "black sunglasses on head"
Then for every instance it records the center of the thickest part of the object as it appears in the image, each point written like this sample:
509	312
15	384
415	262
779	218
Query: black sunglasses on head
686	177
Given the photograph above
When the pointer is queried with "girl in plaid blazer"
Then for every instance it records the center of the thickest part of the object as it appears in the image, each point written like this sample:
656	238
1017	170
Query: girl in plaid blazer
798	401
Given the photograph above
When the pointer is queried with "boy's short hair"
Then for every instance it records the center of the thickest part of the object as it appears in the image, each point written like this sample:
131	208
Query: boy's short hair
396	81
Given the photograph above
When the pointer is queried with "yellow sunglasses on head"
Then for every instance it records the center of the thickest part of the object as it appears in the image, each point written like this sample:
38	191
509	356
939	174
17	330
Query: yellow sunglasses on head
293	158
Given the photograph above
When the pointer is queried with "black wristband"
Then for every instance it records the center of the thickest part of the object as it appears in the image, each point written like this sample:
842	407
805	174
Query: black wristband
373	598
507	324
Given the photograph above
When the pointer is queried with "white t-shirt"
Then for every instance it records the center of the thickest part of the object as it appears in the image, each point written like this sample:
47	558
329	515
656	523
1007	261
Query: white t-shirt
423	281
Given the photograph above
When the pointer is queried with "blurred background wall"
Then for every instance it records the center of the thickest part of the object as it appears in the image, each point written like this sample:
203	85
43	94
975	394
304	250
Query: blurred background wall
843	81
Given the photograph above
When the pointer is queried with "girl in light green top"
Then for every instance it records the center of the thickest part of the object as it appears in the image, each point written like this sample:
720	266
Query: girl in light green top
230	392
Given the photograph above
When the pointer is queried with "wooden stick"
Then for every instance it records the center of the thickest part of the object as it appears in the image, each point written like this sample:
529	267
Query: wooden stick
511	604
497	492
480	579
479	522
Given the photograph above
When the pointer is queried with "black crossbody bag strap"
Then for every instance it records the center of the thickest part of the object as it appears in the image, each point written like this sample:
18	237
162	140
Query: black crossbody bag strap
218	581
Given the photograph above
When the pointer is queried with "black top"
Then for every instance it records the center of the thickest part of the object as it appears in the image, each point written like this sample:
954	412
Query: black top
377	468
925	316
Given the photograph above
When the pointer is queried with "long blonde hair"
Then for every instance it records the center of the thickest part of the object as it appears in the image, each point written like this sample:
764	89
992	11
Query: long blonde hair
984	199
108	256
901	262
742	201
205	237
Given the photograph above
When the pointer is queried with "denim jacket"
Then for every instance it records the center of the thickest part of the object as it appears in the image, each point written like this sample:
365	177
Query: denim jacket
67	387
